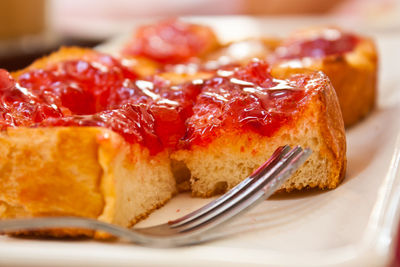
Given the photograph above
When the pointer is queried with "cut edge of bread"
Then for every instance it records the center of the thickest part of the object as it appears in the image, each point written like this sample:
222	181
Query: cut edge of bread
80	171
118	170
232	156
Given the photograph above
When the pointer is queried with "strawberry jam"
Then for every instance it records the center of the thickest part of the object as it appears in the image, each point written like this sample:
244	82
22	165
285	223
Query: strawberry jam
98	92
135	123
82	86
171	41
326	42
248	98
20	107
101	92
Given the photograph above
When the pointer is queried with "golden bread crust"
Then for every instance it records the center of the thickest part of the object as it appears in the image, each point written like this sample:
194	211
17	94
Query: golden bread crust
231	157
64	53
353	75
140	65
77	171
333	134
93	172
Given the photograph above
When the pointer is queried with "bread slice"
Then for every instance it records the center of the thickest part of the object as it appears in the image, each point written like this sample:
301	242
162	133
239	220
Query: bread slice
80	171
353	74
94	172
234	153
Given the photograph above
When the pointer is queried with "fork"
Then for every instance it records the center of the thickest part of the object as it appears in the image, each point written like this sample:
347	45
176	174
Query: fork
197	226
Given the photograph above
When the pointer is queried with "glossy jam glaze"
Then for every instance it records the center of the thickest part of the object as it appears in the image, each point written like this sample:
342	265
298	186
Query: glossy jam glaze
82	86
171	41
88	93
246	99
136	123
318	43
152	112
20	107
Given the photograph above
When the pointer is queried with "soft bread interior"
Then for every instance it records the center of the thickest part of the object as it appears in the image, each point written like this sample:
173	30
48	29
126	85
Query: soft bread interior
233	156
134	182
80	171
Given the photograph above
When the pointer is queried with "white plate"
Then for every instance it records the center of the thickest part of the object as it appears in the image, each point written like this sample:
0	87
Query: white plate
353	225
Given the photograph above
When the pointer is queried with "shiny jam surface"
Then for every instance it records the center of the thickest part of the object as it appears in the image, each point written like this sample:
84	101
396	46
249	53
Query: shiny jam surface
325	43
90	93
171	41
82	86
248	98
135	123
152	112
19	107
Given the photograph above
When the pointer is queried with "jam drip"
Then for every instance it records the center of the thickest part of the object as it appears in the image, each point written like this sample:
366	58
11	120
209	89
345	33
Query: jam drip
135	123
326	42
248	98
171	41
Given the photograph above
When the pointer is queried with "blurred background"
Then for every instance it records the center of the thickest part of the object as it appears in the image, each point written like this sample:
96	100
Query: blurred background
33	28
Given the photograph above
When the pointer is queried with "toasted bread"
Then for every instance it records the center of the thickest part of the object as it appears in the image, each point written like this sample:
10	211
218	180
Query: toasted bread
94	172
353	74
233	155
80	171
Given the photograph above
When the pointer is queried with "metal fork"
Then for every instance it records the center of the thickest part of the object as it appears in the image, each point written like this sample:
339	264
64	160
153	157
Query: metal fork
196	227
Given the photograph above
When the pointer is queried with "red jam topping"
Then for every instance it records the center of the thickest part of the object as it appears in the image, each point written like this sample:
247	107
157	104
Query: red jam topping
98	92
152	112
19	107
171	41
135	123
245	99
324	43
82	86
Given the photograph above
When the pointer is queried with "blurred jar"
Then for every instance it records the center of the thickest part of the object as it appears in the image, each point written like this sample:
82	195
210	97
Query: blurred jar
21	17
24	33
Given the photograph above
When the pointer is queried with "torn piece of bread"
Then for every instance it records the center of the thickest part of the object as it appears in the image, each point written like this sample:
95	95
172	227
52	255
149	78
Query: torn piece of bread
231	152
80	171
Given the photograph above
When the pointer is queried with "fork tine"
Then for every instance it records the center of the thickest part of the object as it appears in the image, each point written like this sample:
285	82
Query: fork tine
253	194
271	168
276	156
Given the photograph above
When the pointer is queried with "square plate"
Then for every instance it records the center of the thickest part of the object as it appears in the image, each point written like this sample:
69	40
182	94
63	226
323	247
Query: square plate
353	225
